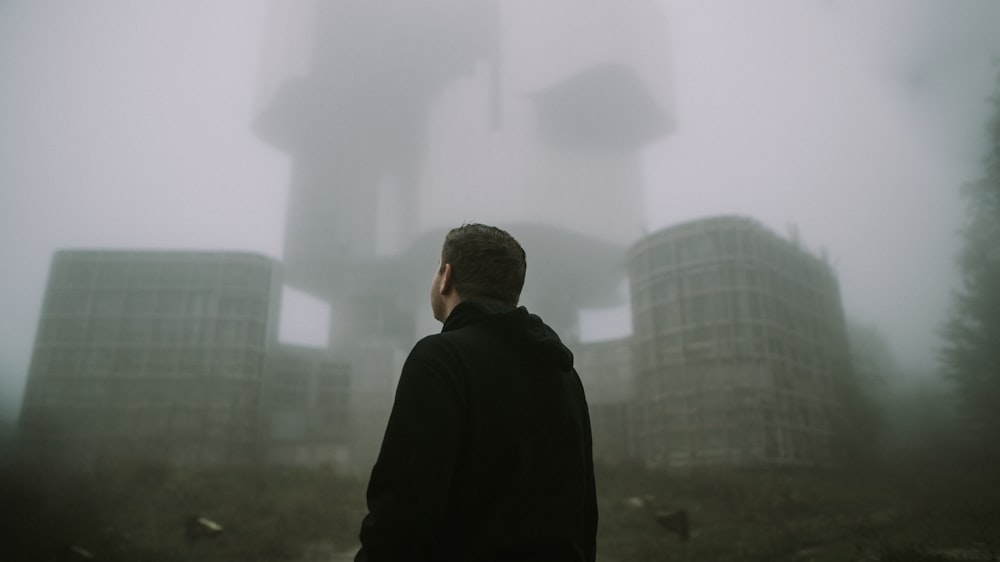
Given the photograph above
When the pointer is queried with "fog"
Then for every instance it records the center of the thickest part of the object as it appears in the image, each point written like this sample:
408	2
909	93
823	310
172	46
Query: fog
132	125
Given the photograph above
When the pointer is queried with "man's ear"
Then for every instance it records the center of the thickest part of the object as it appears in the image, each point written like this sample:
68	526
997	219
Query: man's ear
447	282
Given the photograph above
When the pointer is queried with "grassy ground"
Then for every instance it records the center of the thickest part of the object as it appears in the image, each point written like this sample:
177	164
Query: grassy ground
143	513
885	515
140	513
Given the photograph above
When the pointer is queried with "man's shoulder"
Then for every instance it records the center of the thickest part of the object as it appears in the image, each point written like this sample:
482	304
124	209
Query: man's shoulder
437	353
451	340
433	343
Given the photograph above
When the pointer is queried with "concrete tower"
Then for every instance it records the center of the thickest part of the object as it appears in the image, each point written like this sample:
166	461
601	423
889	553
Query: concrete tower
406	118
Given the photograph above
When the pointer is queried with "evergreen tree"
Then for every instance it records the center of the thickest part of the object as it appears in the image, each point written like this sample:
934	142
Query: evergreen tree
971	354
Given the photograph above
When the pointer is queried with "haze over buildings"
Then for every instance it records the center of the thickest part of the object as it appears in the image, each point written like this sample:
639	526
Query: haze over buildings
129	125
739	356
150	354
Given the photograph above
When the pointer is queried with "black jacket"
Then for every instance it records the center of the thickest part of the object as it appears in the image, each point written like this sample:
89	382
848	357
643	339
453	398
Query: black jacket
487	454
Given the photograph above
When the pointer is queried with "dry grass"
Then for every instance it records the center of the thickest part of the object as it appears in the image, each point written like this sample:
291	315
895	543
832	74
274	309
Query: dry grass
138	513
886	515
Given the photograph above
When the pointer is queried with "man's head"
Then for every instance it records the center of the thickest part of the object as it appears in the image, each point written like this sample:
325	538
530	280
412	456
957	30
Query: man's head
478	262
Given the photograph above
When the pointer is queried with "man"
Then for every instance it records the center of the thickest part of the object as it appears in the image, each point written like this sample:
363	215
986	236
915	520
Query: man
487	454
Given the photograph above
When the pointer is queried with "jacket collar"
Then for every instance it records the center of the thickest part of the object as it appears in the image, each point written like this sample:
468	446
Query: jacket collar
469	312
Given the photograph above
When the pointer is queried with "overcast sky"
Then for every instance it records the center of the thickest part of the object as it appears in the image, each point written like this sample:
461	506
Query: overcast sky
127	124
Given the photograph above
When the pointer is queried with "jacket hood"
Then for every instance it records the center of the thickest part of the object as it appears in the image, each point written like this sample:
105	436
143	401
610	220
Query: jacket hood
514	323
